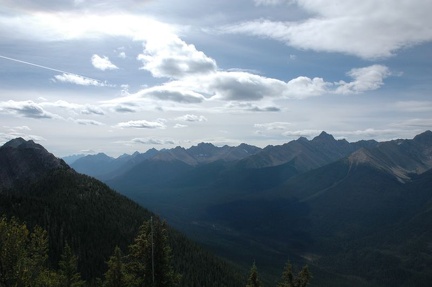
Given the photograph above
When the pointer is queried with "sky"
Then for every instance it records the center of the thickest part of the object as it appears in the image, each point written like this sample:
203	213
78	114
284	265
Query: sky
90	76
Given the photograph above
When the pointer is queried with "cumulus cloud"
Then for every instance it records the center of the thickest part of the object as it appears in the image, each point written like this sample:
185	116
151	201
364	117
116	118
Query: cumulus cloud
28	109
365	79
369	29
171	57
79	80
174	94
142	124
192	118
102	63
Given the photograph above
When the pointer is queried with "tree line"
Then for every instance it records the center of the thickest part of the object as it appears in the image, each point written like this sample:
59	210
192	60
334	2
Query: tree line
24	261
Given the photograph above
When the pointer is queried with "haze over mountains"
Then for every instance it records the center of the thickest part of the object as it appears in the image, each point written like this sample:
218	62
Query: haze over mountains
39	189
358	213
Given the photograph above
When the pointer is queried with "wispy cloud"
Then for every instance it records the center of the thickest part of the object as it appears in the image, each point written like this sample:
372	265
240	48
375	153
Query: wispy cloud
151	141
28	109
79	80
192	118
368	30
87	122
142	124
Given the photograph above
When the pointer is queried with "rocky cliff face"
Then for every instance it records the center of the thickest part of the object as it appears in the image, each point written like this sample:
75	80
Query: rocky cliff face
25	161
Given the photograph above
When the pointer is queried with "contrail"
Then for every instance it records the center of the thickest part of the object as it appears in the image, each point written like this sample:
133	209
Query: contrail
52	69
32	64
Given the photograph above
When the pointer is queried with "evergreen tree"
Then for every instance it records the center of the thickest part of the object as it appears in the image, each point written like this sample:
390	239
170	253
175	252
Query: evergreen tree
287	276
150	257
303	278
253	280
116	275
23	255
289	280
68	269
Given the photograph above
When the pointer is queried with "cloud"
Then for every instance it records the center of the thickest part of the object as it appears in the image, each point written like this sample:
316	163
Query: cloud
86	109
150	141
192	118
274	126
69	25
68	5
102	63
79	80
28	109
301	133
87	122
369	29
142	124
174	94
271	2
249	107
414	106
171	57
180	126
365	79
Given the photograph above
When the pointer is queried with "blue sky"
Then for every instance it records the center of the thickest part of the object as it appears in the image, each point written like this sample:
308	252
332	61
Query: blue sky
122	76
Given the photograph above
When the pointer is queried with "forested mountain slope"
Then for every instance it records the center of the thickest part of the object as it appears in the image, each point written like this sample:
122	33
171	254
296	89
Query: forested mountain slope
89	216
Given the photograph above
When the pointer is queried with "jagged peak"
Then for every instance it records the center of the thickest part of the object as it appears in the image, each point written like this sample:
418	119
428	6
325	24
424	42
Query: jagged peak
323	136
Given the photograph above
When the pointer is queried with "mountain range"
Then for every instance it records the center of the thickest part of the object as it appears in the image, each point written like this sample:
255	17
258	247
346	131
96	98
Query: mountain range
41	190
358	213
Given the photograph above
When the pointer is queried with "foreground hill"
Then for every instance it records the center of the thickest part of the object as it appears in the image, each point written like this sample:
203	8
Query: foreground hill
358	214
76	209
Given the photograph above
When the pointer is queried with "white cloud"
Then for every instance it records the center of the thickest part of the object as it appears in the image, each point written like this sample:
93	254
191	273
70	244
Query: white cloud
249	107
142	124
271	2
151	141
274	126
87	122
79	80
365	79
180	126
171	57
192	118
102	63
86	109
369	29
414	106
28	109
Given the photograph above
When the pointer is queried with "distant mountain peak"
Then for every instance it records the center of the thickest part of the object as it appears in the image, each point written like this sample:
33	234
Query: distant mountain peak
15	142
323	136
25	160
425	137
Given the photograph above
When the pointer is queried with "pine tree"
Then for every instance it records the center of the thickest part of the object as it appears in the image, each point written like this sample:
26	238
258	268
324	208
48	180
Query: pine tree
253	280
150	257
303	278
287	276
68	269
23	255
116	275
289	280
